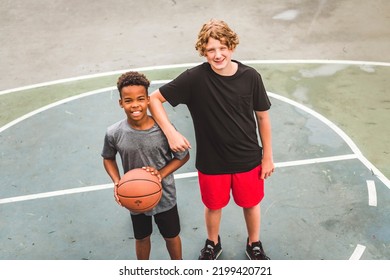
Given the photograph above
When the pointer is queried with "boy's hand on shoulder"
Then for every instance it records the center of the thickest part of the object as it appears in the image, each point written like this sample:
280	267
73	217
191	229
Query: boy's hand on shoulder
154	172
177	142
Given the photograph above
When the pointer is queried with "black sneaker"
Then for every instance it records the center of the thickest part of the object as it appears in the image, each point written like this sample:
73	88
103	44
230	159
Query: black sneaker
255	251
210	250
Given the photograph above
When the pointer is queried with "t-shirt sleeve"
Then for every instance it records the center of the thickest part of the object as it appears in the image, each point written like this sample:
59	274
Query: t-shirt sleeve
109	151
180	155
261	101
178	90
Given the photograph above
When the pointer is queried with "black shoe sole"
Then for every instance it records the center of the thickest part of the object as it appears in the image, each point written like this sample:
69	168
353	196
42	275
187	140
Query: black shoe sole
216	257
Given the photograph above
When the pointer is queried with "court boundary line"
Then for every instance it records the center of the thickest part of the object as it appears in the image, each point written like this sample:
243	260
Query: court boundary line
191	64
52	105
176	176
356	155
372	196
356	255
375	171
359	250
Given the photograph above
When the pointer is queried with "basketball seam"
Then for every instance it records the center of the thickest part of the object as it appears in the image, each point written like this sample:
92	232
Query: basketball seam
160	187
137	195
139	180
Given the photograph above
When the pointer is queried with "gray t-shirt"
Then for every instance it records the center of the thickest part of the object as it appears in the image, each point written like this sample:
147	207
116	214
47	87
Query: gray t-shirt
138	148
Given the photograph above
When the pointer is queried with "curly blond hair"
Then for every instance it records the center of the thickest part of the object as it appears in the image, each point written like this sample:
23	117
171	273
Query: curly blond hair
219	30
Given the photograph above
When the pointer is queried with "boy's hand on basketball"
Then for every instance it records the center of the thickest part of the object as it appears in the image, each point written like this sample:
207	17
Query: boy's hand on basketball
116	193
153	171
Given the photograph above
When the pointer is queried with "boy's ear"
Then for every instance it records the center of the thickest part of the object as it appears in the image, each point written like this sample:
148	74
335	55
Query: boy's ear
120	103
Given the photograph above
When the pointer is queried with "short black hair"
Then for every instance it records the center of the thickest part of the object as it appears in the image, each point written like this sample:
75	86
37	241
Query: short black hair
132	78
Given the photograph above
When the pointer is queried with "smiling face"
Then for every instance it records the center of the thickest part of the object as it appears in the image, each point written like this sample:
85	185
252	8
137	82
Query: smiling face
135	100
219	56
217	42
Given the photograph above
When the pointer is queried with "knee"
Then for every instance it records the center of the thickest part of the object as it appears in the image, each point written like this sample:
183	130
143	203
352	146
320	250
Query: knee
213	212
172	239
144	240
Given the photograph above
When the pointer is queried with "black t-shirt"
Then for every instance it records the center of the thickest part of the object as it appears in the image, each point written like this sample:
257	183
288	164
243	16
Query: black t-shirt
222	110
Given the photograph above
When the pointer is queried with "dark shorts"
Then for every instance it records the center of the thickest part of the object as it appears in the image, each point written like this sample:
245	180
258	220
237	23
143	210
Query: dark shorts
247	188
168	223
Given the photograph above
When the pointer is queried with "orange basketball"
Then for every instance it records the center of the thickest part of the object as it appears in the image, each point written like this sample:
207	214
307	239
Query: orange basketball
139	191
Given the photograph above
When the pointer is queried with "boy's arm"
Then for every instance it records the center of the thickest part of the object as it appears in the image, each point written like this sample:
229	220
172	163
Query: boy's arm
177	142
168	169
113	171
173	165
264	126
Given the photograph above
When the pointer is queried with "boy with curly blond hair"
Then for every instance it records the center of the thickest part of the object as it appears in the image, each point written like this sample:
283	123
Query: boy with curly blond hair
227	101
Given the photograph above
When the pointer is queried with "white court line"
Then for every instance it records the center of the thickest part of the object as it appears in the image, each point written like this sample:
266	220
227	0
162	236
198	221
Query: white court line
162	67
372	193
176	176
372	200
316	160
105	74
47	107
185	175
76	190
341	133
358	252
55	193
62	101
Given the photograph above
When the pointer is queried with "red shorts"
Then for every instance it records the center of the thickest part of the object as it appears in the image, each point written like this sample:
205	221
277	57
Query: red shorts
247	188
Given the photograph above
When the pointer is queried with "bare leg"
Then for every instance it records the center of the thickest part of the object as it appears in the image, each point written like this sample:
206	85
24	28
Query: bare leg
213	220
252	218
142	248
174	247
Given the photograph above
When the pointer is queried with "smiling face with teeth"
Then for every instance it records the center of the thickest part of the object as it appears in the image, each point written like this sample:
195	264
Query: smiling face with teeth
135	100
